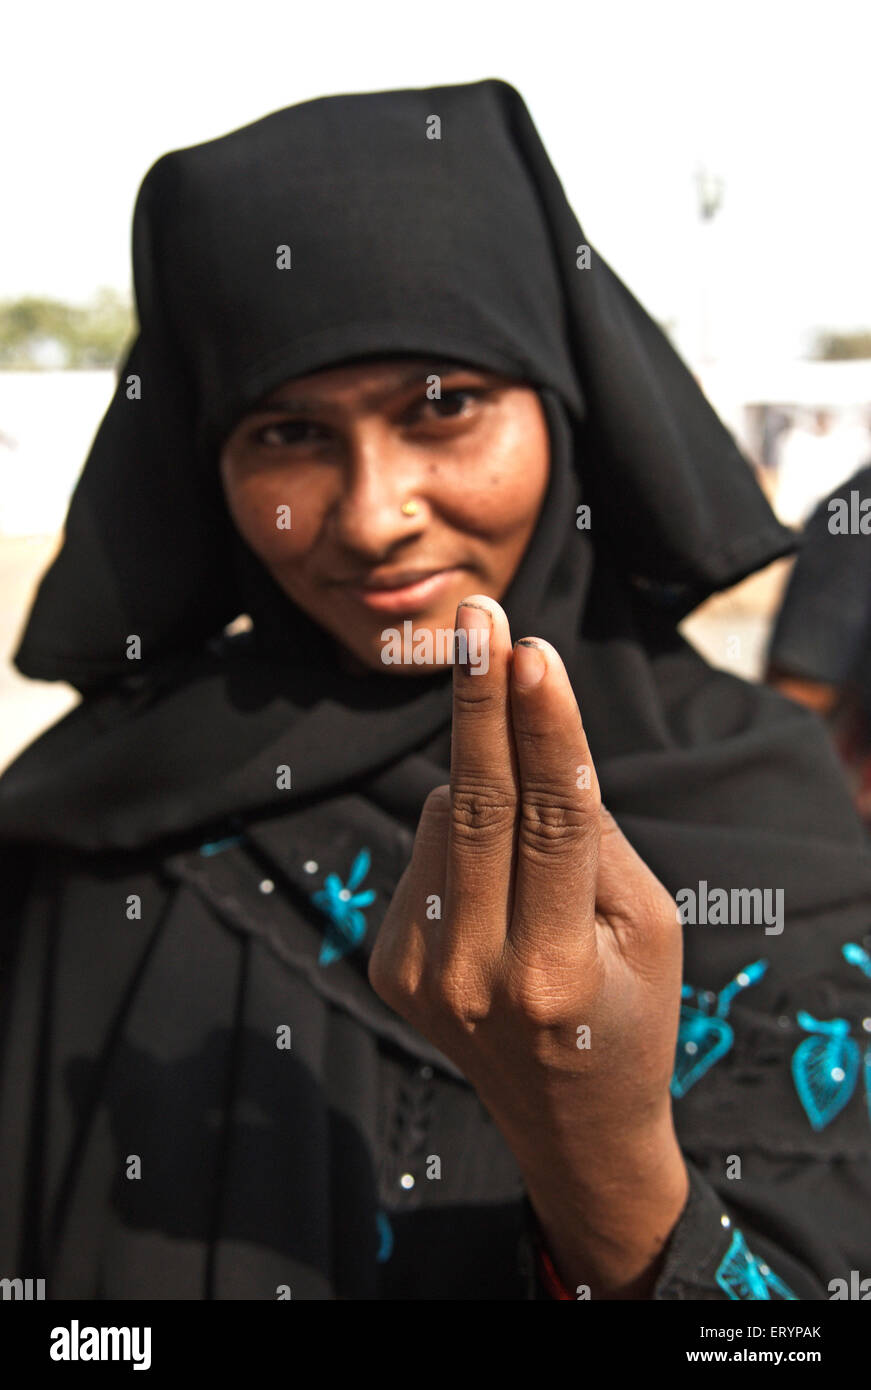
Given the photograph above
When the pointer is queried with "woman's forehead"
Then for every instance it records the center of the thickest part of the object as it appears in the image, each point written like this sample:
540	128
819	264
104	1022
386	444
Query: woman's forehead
383	374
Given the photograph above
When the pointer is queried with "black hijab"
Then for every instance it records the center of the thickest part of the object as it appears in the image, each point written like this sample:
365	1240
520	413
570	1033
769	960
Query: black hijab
462	246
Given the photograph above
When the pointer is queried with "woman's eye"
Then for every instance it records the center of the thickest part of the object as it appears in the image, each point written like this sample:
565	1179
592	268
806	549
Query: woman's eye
451	404
287	432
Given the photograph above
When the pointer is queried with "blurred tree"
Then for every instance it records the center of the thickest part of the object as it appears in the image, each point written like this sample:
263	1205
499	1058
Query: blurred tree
842	347
37	332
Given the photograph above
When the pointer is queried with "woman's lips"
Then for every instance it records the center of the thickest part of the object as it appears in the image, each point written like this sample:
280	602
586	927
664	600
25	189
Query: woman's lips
407	599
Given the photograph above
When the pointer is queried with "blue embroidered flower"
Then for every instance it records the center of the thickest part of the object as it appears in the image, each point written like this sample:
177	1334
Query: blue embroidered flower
342	905
704	1037
825	1067
741	1275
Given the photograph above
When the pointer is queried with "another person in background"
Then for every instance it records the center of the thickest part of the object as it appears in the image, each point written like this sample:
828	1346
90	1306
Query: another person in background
820	650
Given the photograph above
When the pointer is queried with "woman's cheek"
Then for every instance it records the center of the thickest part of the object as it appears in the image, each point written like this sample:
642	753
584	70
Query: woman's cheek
497	499
271	521
502	477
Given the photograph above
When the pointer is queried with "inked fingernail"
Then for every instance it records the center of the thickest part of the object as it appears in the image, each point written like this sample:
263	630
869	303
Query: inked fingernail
529	663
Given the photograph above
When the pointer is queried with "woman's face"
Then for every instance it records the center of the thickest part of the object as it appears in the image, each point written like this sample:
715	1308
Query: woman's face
315	478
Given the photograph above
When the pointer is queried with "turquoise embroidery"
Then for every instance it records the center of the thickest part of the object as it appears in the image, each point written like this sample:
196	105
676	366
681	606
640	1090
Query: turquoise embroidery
342	905
741	1275
385	1238
704	1037
857	956
216	846
825	1067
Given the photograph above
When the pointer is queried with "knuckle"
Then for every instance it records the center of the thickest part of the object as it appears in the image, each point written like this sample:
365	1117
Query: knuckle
474	695
478	810
533	999
391	979
551	823
536	988
458	995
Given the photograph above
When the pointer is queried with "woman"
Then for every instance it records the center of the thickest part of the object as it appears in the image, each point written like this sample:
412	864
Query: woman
380	371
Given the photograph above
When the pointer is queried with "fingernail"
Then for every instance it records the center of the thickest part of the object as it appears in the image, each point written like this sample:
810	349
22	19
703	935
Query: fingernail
529	663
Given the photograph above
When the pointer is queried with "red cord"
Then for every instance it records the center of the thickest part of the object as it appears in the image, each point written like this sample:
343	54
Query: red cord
554	1286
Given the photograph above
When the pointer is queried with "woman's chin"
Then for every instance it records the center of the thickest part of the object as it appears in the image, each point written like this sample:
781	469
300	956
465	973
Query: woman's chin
416	652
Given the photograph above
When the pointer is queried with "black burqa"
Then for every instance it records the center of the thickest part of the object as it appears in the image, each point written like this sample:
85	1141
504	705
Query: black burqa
426	222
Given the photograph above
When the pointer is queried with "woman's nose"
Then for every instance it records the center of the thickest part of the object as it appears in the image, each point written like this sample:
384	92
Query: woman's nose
380	473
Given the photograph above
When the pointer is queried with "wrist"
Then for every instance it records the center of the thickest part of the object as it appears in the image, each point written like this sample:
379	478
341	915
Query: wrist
608	1230
595	1162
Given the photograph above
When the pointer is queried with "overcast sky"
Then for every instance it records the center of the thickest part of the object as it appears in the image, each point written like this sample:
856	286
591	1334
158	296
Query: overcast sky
629	98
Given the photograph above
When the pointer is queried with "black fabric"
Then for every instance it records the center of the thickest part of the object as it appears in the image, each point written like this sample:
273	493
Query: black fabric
824	624
154	1035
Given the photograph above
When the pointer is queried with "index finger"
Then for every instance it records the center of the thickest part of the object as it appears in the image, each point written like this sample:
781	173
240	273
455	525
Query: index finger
483	782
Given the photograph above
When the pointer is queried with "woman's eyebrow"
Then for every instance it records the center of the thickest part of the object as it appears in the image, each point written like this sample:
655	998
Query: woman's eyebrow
411	376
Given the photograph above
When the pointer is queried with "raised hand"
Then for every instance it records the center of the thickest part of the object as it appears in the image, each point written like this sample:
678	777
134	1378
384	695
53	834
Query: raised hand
532	945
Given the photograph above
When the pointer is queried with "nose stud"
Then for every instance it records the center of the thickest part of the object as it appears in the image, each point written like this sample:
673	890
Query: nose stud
410	508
